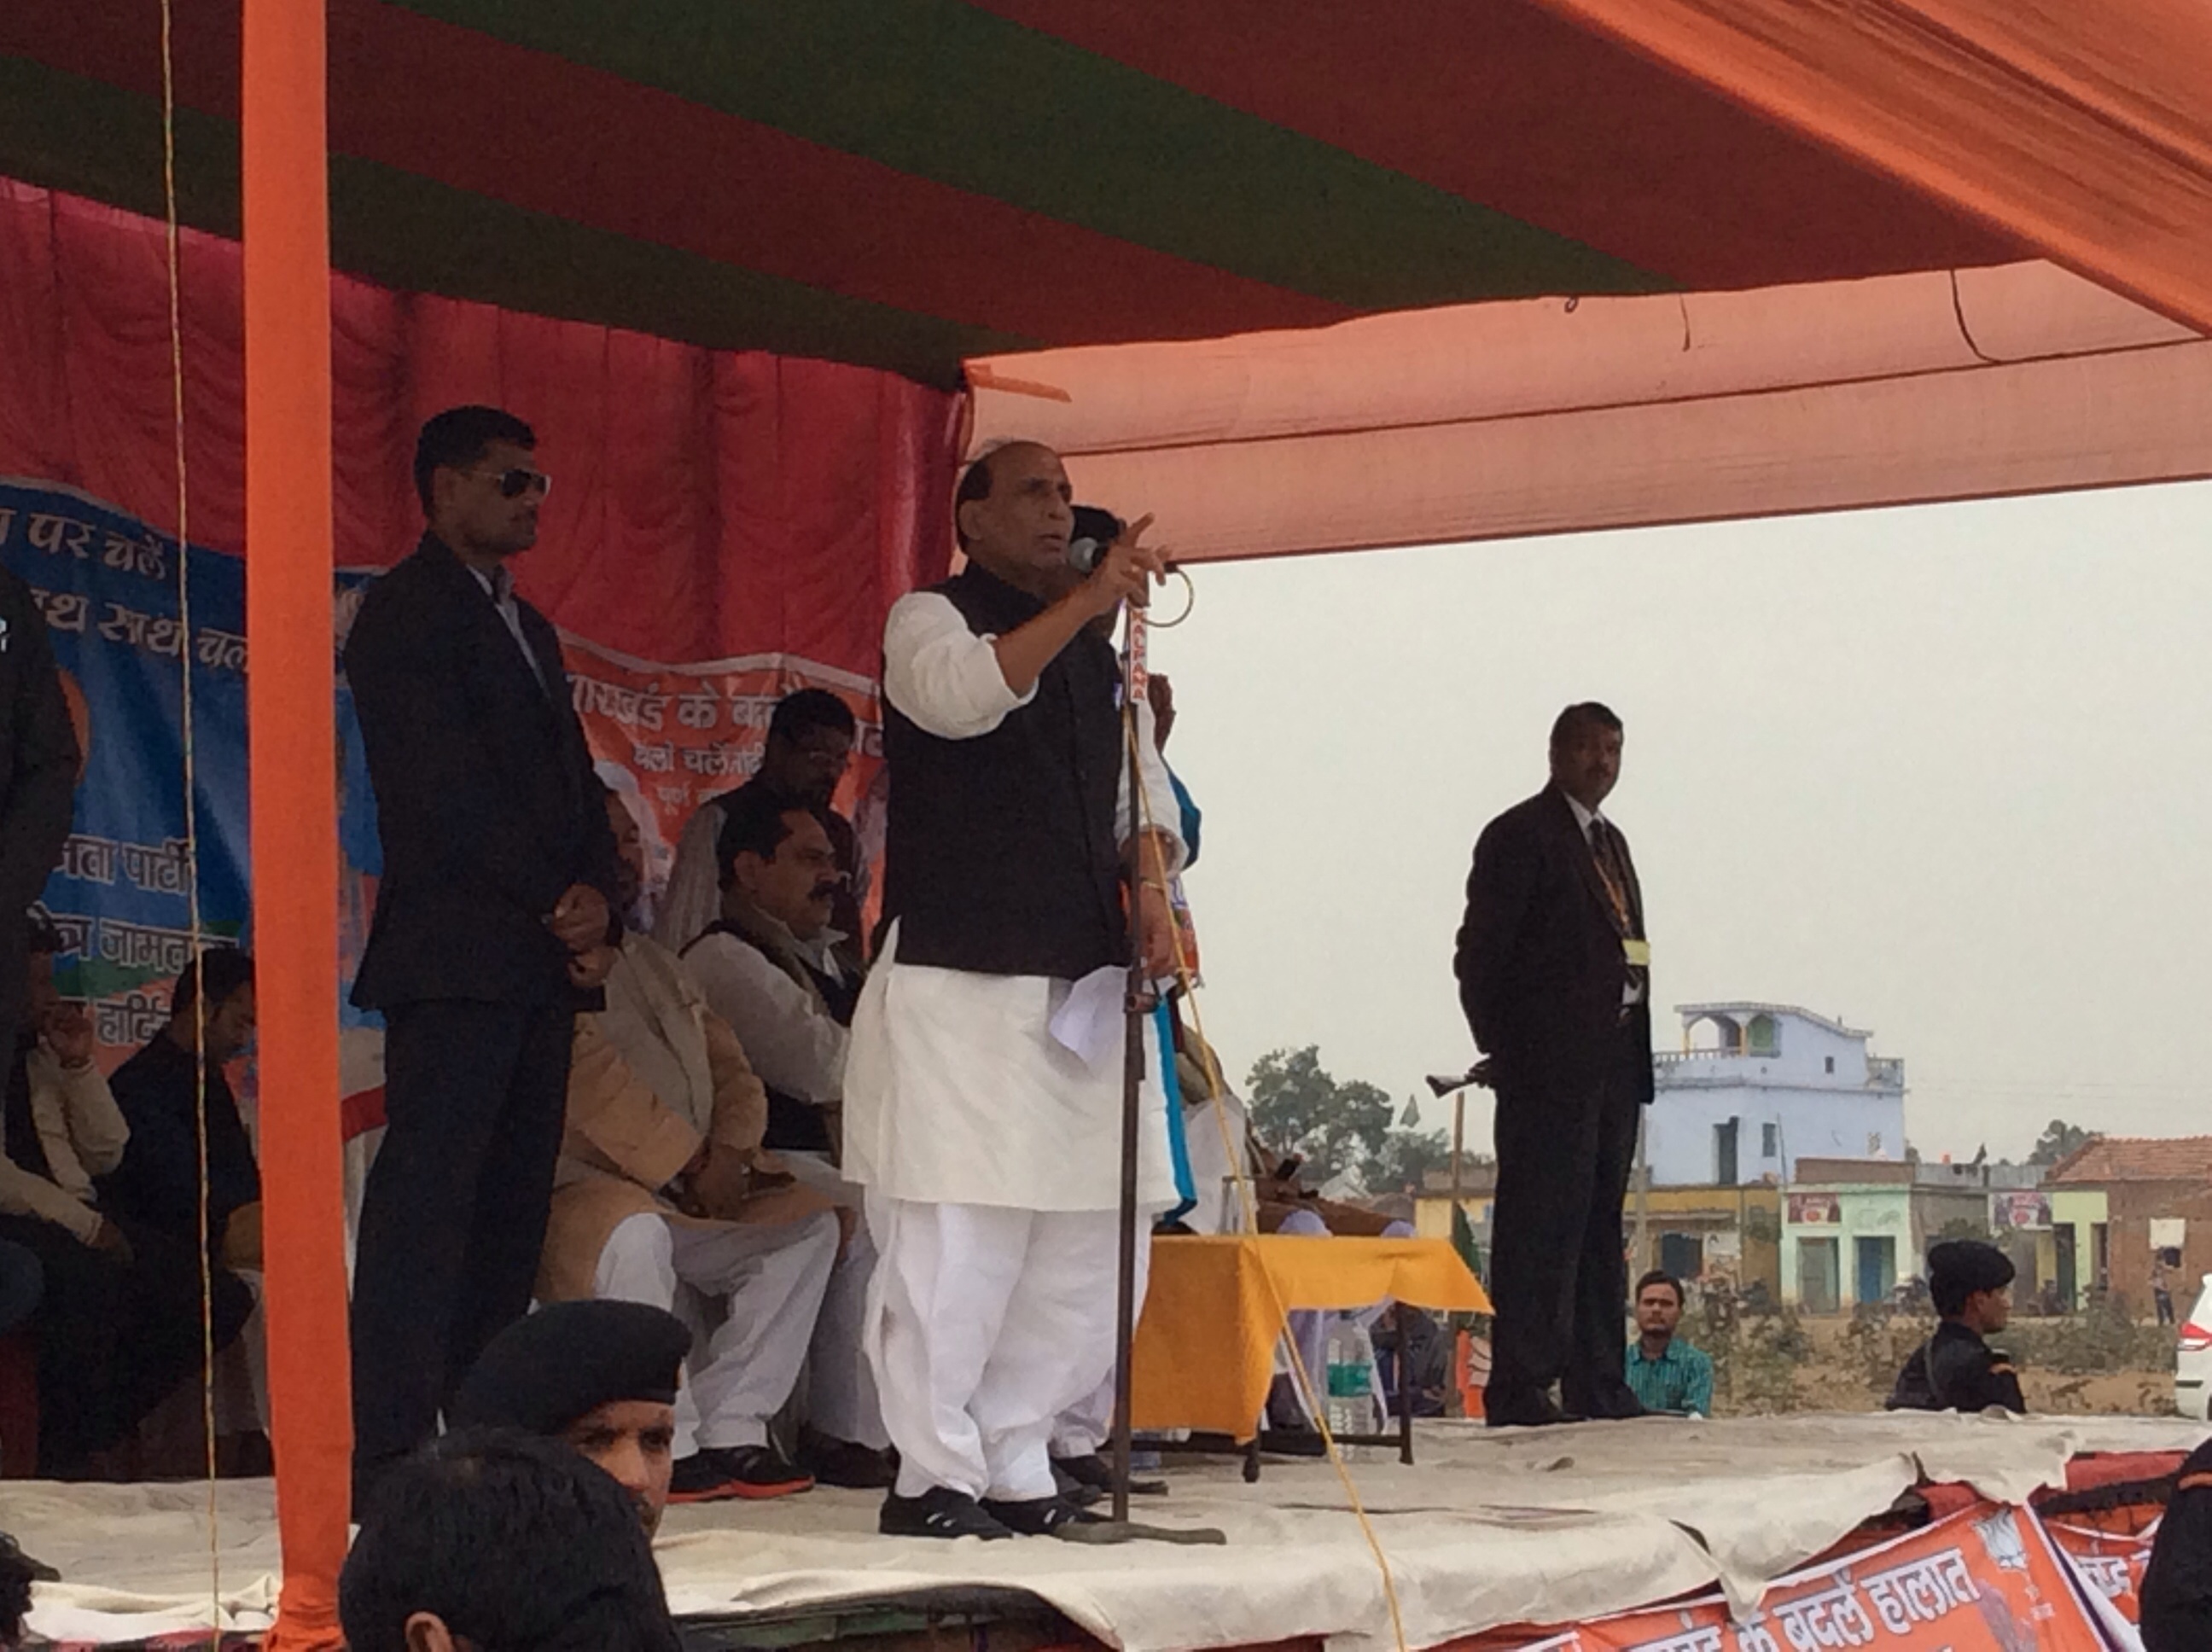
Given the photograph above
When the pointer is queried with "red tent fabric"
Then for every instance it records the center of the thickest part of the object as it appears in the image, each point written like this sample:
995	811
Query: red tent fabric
711	506
707	503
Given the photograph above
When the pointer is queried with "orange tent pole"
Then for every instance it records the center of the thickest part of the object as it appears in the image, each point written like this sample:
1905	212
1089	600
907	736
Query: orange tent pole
294	789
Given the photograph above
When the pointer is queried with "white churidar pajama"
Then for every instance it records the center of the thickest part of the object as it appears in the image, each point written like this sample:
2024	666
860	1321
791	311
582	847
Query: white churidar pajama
1083	1429
990	1150
767	1280
841	1389
797	1047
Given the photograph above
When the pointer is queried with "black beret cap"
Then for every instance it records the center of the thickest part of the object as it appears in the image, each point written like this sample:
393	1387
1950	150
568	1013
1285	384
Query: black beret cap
1973	1264
567	1360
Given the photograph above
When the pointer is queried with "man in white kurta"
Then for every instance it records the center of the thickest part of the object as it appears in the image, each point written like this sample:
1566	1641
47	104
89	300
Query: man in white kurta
983	1108
770	968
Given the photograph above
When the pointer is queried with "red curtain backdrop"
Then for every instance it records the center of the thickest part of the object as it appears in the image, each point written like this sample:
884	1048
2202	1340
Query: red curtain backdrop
706	504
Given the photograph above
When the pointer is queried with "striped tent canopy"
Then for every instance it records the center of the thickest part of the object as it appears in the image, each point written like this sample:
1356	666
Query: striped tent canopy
907	184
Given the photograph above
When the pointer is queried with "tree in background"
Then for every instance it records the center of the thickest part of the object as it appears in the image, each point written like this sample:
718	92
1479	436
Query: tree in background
2058	1140
1407	1156
1339	1128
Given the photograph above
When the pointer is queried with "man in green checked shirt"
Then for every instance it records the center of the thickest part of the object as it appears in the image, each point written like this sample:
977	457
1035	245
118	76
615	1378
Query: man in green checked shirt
1667	1376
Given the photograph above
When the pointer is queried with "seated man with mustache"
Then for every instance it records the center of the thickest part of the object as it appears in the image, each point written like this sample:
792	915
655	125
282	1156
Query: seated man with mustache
777	971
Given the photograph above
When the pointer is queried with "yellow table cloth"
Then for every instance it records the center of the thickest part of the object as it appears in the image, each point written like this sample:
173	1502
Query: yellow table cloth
1214	1310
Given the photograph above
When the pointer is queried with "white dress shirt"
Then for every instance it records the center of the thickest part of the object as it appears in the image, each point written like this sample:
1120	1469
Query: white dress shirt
499	585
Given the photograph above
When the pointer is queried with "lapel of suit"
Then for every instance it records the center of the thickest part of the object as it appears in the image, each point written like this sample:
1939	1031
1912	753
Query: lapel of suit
488	633
1577	849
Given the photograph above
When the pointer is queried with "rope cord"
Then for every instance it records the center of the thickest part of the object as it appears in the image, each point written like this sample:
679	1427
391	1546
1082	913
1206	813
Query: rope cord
172	240
1148	846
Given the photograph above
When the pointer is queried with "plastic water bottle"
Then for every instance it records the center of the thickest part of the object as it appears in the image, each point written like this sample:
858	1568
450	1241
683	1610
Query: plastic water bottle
1351	1399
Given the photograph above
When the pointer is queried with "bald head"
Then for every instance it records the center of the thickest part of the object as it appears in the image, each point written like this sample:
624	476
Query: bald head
1013	512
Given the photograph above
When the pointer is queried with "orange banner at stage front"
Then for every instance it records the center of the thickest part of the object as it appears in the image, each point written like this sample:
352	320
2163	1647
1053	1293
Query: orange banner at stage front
2109	1552
1986	1579
1215	1306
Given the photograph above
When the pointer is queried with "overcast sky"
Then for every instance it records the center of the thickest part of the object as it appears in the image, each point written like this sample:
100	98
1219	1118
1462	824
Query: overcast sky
1944	773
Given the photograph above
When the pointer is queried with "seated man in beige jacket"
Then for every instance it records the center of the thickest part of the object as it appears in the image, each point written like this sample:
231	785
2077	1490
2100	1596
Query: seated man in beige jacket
119	1324
664	1196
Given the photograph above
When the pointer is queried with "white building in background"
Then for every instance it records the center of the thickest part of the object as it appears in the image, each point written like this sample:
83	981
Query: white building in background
1758	1086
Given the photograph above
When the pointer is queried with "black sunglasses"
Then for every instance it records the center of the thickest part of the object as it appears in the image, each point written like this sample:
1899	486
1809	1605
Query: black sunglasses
513	484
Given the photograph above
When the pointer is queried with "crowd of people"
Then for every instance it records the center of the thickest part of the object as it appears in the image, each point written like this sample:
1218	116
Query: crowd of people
744	1161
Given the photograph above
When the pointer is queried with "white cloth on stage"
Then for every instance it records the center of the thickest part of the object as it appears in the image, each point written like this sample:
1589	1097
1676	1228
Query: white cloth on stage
767	1283
988	1323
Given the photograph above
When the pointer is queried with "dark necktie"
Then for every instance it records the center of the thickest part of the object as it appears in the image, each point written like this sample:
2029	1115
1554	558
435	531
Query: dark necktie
1612	867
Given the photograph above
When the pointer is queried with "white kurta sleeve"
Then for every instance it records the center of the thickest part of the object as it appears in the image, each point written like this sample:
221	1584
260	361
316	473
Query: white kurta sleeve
941	674
794	1045
1163	813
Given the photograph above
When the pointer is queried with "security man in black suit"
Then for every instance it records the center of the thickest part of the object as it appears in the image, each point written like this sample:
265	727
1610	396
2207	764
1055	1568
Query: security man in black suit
2177	1588
492	919
1554	975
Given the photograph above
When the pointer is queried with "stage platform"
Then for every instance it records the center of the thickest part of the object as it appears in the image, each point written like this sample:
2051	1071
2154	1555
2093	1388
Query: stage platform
1490	1528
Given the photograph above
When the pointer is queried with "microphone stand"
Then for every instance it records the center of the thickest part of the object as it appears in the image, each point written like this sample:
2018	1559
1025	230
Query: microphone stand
1136	1006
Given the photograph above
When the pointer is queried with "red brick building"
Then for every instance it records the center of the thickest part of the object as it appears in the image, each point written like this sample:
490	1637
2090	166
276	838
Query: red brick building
2153	1188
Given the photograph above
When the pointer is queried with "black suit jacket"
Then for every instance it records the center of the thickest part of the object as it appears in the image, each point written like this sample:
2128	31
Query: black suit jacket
158	1183
39	760
486	802
1540	962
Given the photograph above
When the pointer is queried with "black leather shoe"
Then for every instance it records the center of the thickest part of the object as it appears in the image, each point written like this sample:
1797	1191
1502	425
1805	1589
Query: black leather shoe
938	1512
1615	1403
1094	1475
1521	1411
843	1463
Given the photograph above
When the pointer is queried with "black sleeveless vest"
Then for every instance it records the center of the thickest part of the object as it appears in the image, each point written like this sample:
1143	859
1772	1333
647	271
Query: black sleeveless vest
1001	856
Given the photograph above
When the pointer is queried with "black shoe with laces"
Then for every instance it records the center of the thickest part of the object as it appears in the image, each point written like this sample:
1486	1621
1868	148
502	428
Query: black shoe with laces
938	1512
1036	1516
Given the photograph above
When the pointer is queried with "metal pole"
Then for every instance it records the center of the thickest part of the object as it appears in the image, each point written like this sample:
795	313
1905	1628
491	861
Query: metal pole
1133	1079
1459	1142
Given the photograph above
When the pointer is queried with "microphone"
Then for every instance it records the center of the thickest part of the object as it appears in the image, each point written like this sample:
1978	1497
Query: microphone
1095	530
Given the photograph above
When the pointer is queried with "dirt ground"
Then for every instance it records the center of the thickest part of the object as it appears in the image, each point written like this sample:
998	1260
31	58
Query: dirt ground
1849	1367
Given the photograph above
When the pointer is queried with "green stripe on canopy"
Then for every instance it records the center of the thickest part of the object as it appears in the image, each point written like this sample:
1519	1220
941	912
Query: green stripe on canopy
65	132
1061	131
